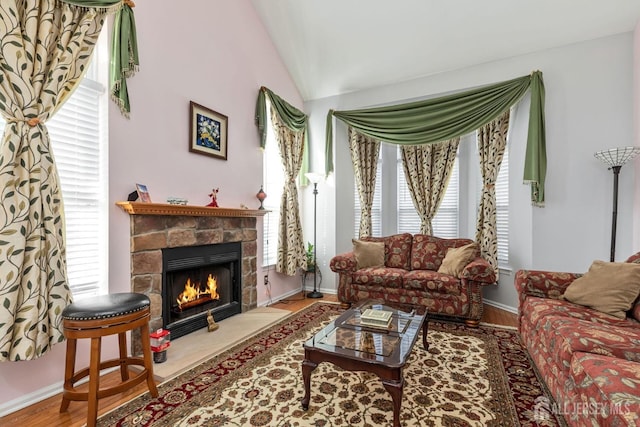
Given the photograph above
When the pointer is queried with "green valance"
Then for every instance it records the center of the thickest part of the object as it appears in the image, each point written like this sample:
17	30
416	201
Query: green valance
124	47
438	119
124	56
292	117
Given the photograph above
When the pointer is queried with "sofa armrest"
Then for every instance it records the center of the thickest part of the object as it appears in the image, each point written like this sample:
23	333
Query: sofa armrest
343	263
479	270
543	284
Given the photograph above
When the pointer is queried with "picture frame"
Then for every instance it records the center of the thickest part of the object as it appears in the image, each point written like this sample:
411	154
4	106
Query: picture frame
143	193
208	131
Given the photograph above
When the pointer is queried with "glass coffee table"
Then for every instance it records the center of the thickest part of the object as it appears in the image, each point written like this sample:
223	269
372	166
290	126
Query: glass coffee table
352	346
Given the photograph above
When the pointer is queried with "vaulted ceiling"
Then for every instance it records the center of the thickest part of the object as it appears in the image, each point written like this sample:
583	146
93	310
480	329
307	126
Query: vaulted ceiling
337	46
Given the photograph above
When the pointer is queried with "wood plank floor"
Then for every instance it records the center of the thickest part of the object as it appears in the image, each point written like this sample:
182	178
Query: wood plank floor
47	412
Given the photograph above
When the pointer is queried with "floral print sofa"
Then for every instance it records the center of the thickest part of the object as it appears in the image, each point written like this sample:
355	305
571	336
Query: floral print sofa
410	277
589	360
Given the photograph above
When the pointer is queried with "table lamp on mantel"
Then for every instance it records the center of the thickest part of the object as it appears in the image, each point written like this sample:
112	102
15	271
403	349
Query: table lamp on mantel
314	178
615	158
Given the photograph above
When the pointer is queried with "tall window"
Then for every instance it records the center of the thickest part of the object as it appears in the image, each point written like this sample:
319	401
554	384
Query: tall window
502	210
376	208
273	179
445	223
78	133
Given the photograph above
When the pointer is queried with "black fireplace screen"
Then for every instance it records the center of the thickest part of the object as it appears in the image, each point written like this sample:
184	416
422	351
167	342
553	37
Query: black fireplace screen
197	281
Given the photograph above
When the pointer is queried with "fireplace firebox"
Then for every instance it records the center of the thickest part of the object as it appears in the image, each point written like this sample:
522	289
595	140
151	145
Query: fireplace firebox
198	281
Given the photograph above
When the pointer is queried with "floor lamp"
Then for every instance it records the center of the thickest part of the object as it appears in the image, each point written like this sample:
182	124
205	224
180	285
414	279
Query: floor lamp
314	178
615	158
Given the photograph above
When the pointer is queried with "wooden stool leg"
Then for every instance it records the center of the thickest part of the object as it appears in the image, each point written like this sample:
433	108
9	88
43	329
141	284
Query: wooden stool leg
94	381
69	369
148	362
122	343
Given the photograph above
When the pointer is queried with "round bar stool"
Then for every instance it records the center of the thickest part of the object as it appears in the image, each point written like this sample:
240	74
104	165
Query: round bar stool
95	318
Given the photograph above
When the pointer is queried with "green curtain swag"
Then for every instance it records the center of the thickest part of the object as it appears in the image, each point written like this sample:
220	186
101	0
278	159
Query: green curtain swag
124	61
438	119
292	117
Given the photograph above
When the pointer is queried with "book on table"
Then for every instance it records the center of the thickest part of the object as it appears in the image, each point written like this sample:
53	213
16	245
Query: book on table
376	318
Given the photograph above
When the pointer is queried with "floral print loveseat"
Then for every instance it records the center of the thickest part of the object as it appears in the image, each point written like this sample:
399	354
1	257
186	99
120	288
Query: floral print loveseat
589	360
410	277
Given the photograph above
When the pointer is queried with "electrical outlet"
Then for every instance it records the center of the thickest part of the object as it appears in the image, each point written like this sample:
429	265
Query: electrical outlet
266	280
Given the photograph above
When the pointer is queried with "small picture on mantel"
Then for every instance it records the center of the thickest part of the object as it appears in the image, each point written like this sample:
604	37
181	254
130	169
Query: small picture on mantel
143	193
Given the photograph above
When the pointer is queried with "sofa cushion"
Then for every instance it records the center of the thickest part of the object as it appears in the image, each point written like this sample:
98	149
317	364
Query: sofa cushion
427	252
608	389
457	259
635	310
432	281
389	277
609	287
368	254
397	249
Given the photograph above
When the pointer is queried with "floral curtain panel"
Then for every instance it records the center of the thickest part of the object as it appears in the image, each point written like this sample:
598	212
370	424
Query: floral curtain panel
427	169
290	116
364	156
45	47
492	142
438	119
291	252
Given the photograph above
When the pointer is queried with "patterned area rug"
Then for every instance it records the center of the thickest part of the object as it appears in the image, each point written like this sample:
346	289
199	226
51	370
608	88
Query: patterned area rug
469	377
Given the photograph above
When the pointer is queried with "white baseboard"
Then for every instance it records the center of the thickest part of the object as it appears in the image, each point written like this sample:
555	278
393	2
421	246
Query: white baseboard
40	395
294	292
30	399
501	306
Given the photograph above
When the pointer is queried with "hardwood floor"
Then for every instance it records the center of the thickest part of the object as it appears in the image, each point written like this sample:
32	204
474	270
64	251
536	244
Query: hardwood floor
47	412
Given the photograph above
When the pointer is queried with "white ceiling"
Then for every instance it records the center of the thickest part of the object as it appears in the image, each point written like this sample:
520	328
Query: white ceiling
337	46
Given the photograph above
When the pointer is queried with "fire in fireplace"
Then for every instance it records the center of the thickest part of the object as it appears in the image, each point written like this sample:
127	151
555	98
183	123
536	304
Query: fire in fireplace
198	280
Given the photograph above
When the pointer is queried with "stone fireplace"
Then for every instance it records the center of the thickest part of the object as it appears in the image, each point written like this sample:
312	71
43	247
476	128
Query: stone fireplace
160	228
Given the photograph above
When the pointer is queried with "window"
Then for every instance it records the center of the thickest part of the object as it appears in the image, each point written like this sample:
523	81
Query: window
445	223
376	208
502	210
78	133
273	178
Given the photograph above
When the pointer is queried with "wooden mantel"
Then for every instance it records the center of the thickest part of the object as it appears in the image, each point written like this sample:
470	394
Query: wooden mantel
140	208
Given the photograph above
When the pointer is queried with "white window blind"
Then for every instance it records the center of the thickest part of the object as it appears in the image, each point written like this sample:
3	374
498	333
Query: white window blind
376	208
502	210
78	141
273	178
445	223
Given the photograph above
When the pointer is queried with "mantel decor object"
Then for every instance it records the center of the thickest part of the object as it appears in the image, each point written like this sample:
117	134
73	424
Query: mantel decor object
615	158
214	198
261	196
208	132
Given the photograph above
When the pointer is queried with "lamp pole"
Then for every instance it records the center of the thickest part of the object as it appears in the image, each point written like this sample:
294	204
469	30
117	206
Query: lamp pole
315	293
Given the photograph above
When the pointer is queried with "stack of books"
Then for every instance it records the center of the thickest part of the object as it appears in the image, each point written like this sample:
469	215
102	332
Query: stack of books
376	318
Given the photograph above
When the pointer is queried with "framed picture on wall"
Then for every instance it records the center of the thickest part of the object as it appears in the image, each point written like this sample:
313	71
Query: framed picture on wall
208	132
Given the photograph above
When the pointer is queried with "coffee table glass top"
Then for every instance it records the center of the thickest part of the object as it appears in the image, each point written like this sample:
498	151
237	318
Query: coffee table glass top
349	337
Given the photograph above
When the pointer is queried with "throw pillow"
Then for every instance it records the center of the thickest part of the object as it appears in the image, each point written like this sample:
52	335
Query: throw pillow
456	259
368	254
609	287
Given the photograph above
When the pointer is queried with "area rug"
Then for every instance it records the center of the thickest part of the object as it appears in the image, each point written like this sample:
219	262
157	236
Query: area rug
469	377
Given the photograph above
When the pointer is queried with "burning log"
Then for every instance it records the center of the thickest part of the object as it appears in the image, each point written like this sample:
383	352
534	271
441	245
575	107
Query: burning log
193	295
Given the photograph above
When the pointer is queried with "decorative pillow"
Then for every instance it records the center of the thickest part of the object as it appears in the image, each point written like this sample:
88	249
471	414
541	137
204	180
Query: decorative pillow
368	254
457	259
609	287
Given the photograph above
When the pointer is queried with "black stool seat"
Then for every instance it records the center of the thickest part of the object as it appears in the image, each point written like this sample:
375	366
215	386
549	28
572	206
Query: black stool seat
105	306
97	317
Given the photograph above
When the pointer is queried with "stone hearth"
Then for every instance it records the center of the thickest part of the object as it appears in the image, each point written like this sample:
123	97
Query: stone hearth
157	226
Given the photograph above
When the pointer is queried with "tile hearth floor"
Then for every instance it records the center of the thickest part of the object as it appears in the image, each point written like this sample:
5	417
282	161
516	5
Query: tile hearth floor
189	350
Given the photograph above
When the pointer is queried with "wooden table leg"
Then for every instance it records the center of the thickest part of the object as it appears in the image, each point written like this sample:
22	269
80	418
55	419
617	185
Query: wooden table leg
395	390
307	368
425	327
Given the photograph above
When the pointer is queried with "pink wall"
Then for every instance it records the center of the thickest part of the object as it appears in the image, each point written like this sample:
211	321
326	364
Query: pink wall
215	53
636	133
